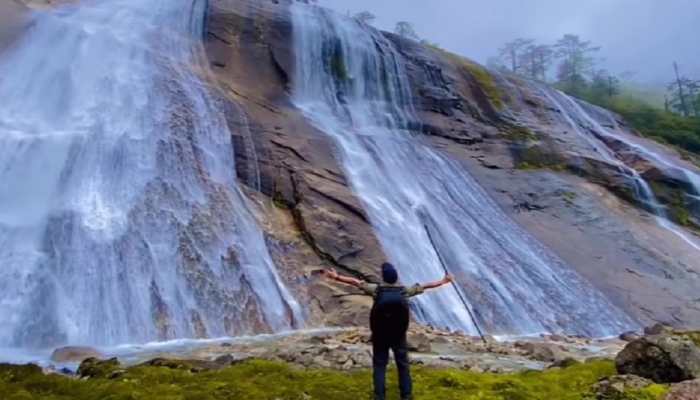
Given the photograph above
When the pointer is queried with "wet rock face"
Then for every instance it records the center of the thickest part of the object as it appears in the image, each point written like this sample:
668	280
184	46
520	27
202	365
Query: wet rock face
311	216
661	358
508	136
13	20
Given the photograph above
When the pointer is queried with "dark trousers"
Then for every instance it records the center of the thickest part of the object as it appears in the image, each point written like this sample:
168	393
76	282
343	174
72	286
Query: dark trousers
380	359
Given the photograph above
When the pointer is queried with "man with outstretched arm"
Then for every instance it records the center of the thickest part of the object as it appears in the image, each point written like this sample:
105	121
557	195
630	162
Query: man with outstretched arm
389	322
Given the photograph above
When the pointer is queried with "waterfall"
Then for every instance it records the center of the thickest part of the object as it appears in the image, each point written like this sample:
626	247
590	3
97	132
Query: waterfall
120	216
351	83
576	116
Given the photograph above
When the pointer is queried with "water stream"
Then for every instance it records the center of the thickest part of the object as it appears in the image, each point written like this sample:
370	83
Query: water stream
581	121
351	83
120	217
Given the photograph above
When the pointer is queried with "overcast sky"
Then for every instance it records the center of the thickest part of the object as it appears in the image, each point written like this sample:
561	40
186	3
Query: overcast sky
644	36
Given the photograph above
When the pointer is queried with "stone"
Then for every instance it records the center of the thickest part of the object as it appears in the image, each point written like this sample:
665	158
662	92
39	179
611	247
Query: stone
419	342
95	368
74	354
629	336
541	351
688	390
657	329
661	358
615	387
565	363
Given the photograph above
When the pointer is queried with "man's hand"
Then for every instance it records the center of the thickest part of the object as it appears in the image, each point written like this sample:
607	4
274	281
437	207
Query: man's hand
331	273
448	279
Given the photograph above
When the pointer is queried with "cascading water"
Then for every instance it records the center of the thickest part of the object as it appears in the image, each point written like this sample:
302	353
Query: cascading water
576	116
120	216
351	83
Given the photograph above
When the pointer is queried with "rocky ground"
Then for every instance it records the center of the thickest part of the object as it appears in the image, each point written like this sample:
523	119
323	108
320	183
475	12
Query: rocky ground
662	364
350	349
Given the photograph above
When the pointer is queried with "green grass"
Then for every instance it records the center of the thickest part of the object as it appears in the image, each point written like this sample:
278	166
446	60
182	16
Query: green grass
263	380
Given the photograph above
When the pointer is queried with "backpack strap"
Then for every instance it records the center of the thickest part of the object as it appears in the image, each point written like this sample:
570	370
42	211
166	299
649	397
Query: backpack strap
386	288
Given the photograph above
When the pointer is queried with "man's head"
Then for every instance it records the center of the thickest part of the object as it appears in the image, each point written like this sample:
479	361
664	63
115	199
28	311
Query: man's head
389	274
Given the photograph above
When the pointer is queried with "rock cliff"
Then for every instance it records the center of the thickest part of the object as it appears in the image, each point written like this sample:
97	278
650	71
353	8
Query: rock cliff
507	133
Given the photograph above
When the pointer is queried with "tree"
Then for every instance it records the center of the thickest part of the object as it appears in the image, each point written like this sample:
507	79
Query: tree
365	17
496	64
536	60
604	86
511	53
683	92
406	30
577	62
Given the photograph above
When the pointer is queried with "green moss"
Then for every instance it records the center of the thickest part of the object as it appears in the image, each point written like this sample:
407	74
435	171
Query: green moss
486	82
652	392
570	196
675	200
693	335
538	157
481	76
269	380
517	133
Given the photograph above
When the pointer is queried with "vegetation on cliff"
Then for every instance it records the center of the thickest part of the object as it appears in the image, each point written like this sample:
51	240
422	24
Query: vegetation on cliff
255	380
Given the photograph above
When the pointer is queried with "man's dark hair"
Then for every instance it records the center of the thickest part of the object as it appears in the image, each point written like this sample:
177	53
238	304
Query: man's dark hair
389	274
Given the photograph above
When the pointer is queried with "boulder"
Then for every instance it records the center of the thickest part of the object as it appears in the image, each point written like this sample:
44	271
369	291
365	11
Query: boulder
74	354
540	351
689	390
616	386
629	336
661	358
419	342
96	368
657	329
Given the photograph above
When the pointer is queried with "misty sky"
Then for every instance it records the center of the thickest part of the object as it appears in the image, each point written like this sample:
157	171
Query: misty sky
644	36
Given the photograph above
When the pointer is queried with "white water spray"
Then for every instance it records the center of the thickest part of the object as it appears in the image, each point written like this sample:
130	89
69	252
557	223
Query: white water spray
120	216
352	84
575	115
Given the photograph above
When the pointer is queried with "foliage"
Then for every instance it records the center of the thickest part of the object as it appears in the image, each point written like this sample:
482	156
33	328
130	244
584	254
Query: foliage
577	61
365	17
684	95
663	126
406	30
262	380
511	53
536	60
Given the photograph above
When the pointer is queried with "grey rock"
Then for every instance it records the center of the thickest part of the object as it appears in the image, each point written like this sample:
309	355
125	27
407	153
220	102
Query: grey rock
661	358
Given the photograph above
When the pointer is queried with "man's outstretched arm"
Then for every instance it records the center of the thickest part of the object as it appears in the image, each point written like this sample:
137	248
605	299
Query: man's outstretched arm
333	274
442	282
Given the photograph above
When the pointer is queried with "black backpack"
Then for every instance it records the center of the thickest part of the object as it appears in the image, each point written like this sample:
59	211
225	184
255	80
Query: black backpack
390	316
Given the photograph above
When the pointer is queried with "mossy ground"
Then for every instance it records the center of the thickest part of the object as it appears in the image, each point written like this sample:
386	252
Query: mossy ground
263	380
